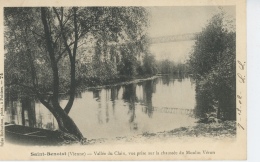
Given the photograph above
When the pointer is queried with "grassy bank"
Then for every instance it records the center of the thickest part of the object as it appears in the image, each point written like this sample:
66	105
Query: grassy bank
214	131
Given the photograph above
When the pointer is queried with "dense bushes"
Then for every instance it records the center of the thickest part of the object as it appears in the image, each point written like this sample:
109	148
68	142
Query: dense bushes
213	66
170	67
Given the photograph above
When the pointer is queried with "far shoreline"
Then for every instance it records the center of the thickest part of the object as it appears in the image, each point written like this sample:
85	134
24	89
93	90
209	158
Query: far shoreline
134	80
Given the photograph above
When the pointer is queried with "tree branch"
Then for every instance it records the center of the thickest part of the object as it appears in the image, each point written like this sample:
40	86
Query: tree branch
62	33
54	66
76	34
61	54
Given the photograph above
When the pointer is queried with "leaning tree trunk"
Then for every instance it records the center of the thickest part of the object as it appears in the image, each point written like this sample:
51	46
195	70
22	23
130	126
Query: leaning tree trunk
66	124
72	85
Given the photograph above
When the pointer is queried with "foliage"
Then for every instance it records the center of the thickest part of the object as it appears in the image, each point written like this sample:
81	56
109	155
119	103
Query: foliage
115	56
44	45
149	64
213	66
170	67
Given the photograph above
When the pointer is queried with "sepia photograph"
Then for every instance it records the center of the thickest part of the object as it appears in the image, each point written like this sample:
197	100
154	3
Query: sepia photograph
81	80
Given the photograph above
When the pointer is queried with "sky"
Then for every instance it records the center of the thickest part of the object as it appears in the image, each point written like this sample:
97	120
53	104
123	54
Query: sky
176	20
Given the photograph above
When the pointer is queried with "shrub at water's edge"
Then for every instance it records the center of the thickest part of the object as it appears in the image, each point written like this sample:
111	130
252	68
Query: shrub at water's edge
213	66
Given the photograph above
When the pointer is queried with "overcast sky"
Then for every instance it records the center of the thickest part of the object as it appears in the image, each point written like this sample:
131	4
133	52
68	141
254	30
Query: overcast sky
166	21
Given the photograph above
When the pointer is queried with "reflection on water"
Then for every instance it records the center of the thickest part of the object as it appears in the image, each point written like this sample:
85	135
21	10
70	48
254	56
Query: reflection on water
155	105
27	112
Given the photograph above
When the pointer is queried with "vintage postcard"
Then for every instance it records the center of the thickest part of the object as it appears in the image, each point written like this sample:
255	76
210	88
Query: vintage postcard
123	80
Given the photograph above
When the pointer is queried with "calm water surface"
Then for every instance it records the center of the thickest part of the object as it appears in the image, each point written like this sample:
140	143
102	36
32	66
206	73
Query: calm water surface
156	105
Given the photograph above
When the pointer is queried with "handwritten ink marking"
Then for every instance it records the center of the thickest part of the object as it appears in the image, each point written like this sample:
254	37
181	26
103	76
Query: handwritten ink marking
241	78
240	126
241	65
238	110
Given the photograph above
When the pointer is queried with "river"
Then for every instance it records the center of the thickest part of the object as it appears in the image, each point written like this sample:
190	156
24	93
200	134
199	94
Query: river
161	104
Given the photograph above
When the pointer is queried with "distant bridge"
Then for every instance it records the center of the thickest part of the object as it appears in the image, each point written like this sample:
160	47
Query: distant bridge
162	39
174	38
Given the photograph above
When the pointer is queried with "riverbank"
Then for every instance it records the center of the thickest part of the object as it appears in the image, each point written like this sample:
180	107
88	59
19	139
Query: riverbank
129	81
214	131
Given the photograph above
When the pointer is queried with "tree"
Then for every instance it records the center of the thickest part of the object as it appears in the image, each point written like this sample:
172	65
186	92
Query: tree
44	41
149	65
213	66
